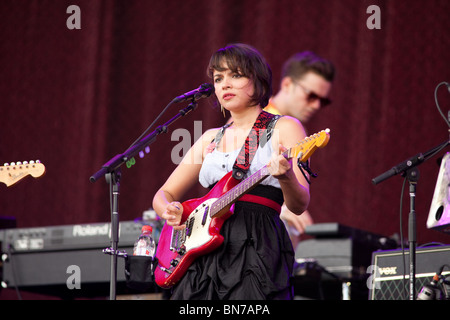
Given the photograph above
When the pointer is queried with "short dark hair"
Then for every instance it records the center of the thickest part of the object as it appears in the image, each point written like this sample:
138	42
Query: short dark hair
247	61
308	61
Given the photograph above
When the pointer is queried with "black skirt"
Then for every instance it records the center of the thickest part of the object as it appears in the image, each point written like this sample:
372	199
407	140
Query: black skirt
255	262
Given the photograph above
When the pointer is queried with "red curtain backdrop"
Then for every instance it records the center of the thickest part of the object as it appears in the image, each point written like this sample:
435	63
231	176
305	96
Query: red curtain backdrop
75	98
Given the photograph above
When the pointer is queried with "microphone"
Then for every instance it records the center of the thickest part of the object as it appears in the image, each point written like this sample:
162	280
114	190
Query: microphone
431	291
204	91
401	167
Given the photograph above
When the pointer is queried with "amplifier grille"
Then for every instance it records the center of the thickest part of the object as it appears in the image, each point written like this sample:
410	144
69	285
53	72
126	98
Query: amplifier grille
389	281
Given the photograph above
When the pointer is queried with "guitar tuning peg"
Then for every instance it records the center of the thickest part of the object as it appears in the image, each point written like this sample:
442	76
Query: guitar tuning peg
25	162
19	163
6	164
13	163
38	161
31	162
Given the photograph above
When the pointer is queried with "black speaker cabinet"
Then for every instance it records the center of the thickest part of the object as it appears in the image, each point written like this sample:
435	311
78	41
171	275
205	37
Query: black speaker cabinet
49	272
389	279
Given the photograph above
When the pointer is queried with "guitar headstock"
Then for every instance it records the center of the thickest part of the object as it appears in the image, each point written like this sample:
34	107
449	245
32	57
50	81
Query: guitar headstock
11	173
305	148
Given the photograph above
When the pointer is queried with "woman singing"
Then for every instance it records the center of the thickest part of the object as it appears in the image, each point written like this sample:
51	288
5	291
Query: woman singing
256	258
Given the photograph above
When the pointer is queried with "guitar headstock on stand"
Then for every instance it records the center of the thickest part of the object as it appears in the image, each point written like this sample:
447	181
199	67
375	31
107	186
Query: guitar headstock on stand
11	173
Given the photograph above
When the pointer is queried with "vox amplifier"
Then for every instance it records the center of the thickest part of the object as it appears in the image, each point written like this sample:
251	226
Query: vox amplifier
390	271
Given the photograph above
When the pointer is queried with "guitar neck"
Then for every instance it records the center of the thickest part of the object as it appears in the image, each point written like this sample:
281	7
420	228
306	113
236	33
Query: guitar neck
302	151
232	195
245	186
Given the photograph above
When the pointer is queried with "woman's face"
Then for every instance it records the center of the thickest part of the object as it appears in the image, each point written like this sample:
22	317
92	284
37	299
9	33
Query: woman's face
232	89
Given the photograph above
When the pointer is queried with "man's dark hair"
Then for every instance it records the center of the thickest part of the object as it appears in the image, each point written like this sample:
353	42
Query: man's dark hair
303	62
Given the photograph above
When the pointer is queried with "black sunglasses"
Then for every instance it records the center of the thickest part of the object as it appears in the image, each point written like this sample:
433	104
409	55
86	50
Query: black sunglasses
311	96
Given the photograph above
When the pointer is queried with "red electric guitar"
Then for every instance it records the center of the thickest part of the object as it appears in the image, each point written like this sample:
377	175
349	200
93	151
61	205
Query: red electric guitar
12	173
204	217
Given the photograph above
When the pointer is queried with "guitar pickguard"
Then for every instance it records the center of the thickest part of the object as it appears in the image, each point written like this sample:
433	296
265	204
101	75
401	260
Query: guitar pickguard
196	232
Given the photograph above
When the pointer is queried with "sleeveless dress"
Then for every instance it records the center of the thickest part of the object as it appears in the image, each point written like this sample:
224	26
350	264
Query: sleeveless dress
256	260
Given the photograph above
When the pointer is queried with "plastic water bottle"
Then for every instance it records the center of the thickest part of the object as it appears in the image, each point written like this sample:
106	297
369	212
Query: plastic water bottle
145	245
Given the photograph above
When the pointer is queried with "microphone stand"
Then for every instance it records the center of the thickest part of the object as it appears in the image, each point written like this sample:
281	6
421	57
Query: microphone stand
409	169
413	177
112	172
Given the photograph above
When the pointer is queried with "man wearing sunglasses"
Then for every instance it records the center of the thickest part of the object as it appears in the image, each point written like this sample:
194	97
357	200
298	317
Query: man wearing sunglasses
305	85
306	82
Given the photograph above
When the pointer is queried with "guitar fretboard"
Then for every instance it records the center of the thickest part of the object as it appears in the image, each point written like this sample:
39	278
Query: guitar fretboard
302	151
237	191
